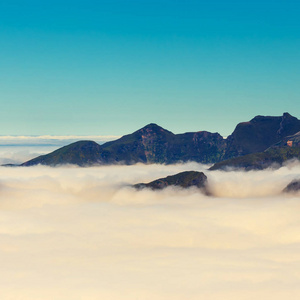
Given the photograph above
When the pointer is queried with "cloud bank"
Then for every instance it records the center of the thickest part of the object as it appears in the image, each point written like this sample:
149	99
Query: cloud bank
84	233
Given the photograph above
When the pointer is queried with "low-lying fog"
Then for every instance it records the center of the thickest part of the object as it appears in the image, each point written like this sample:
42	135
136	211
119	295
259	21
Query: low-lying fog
83	233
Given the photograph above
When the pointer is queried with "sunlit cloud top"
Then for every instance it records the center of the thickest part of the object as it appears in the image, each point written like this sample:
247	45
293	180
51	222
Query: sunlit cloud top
83	233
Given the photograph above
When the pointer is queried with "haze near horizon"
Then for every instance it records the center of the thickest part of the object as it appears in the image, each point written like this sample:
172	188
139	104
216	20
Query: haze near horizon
101	69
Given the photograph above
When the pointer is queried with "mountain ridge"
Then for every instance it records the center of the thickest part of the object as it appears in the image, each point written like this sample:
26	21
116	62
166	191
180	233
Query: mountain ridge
154	144
274	156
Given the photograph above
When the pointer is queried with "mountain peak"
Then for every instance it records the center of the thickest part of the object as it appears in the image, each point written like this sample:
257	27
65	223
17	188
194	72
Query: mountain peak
153	128
152	125
287	115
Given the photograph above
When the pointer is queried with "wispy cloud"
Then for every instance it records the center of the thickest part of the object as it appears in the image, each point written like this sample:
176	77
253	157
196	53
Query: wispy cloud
52	139
18	149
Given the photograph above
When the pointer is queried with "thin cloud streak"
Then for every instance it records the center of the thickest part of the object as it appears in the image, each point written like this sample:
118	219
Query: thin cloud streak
18	149
52	139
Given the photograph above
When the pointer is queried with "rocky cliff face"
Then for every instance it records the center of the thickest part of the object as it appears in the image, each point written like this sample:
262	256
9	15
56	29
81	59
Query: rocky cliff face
201	146
150	144
147	145
271	158
154	144
259	134
290	141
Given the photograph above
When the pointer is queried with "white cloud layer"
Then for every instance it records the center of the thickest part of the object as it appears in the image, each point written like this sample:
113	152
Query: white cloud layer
20	154
83	233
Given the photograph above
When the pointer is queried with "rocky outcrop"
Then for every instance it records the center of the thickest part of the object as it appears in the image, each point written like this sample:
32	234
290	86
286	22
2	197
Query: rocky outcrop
184	180
271	158
292	187
259	134
290	141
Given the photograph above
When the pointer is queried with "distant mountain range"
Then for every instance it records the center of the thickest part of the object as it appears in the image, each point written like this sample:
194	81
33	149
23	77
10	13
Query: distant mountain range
154	144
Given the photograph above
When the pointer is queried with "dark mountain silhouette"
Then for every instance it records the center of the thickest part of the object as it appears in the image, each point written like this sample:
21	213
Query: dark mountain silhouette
291	141
259	134
82	153
154	144
184	180
273	157
292	187
151	144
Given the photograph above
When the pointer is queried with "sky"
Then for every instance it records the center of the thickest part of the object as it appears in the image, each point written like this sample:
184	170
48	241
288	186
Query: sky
111	67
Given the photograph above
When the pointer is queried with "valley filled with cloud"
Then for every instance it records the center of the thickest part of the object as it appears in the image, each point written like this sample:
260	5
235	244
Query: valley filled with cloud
85	233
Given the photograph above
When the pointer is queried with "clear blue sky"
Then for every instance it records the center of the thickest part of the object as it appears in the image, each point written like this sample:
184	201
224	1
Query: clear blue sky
111	67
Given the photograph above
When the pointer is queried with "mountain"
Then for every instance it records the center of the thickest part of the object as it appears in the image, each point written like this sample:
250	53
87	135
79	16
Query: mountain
184	180
150	144
154	144
202	146
288	148
291	141
146	145
292	187
272	157
82	153
259	134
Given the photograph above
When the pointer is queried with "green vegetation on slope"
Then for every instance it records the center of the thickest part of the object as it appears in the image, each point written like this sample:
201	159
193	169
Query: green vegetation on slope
82	153
261	160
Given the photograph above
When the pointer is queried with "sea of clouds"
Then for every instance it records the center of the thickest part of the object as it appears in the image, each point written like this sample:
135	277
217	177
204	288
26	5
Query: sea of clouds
85	233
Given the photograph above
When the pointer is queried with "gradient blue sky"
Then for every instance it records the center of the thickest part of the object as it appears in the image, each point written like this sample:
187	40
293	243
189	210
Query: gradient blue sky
111	67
